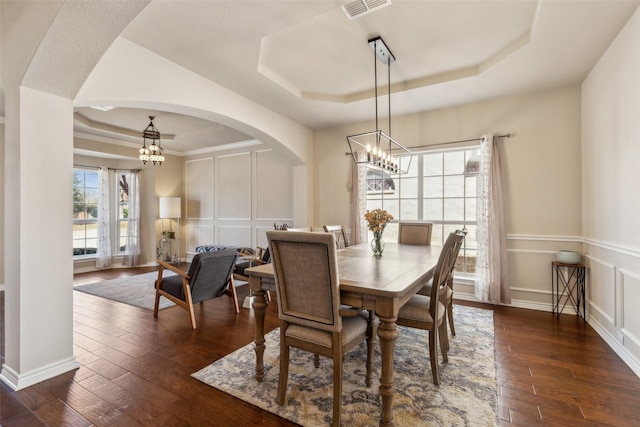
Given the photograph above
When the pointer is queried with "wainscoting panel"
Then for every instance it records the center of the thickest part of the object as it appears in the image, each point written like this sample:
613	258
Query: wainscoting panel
198	234
601	297
261	234
613	292
199	188
237	235
246	182
274	186
530	275
629	286
233	179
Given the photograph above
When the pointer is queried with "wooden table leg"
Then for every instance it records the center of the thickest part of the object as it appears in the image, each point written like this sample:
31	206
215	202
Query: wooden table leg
387	332
259	305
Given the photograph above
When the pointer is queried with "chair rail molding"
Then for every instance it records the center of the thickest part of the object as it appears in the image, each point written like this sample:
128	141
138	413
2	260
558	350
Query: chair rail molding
545	238
531	251
625	250
622	249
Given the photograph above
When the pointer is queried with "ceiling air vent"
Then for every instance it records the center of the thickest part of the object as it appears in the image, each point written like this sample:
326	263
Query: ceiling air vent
358	8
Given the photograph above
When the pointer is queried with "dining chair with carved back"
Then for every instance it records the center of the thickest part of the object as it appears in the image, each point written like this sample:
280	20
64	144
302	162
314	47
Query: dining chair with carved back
448	297
340	233
428	312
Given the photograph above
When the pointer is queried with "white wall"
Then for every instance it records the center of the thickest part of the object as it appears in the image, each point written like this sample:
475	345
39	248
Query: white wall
610	202
234	197
541	175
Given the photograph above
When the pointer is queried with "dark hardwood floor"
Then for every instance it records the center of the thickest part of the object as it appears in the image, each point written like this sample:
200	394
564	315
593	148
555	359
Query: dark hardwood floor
135	370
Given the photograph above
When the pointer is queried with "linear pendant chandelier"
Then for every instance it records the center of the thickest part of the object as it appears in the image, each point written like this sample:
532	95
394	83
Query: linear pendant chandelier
377	149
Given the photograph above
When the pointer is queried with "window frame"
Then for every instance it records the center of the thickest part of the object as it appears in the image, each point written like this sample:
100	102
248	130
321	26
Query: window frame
115	211
119	223
392	201
85	221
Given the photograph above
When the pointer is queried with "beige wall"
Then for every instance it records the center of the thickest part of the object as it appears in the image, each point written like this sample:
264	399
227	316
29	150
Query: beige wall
165	180
541	175
2	204
610	202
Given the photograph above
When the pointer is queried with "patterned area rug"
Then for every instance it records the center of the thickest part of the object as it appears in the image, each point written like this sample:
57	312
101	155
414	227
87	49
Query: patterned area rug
467	395
136	290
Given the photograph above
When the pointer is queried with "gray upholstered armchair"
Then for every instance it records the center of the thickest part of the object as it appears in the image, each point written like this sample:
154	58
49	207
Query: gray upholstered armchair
210	276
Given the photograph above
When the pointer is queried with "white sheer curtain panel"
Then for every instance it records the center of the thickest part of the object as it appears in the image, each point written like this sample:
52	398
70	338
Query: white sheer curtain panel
358	201
103	255
132	249
492	280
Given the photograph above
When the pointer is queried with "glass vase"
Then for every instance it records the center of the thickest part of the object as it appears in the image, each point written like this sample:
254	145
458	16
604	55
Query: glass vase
377	244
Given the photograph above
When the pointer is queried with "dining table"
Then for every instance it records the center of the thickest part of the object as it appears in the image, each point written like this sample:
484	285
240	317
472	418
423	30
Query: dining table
379	283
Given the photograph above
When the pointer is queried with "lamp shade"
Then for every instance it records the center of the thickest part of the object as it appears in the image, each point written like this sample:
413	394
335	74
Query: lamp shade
170	207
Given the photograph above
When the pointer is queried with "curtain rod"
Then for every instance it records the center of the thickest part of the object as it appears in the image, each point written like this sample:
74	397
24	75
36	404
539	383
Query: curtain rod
506	135
111	169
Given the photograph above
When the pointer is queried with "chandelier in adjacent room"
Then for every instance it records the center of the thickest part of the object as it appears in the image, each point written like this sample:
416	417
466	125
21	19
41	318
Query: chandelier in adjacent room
153	152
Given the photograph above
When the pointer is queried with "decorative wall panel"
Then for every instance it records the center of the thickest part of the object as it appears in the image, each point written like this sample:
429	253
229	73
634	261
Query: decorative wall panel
245	182
199	234
237	235
629	297
601	298
199	188
234	186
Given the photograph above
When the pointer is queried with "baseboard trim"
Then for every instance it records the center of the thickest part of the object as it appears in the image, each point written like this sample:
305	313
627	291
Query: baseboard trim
615	345
620	350
17	381
514	303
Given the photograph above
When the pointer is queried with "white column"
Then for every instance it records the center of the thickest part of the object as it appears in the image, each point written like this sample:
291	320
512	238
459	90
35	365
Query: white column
38	238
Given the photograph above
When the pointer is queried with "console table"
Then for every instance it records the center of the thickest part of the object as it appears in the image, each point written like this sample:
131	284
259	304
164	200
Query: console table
568	285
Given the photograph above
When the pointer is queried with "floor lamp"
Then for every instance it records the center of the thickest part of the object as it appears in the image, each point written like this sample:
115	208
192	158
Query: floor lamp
170	208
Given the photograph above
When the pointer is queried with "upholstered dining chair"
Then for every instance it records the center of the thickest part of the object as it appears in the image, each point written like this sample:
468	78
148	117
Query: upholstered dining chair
415	233
428	312
311	319
210	276
340	233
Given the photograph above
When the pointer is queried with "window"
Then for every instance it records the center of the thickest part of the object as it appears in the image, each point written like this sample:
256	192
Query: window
85	212
437	188
123	210
378	181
